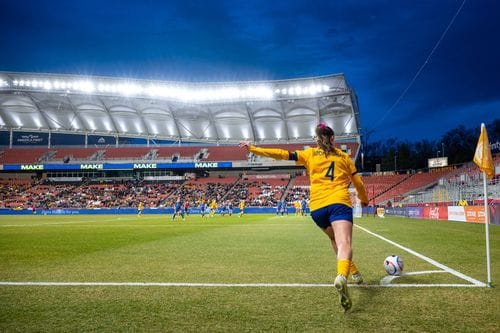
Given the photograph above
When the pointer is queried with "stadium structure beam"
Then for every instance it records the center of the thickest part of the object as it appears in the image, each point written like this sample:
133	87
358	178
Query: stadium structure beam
285	123
141	117
252	122
76	114
212	123
176	123
37	107
116	131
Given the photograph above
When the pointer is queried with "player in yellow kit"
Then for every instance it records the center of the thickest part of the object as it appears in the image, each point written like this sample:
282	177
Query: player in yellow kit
213	207
298	207
330	173
242	208
139	209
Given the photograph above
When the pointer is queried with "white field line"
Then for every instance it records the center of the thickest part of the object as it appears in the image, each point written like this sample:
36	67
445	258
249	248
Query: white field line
388	279
168	224
219	285
429	260
65	223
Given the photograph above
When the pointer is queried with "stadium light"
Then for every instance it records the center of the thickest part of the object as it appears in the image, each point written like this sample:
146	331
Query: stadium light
177	91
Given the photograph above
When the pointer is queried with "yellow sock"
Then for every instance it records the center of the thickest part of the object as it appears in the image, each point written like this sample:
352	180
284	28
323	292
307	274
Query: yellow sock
343	266
353	269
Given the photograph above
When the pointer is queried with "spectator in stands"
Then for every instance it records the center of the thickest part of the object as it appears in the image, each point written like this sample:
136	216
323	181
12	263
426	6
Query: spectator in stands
330	172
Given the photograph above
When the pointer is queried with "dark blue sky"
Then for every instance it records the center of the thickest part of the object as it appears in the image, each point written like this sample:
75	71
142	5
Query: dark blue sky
379	45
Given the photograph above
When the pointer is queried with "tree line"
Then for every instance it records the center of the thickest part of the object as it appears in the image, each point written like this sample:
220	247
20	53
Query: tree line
458	145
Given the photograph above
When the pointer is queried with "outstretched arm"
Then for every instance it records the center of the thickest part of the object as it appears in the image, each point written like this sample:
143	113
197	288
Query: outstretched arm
276	153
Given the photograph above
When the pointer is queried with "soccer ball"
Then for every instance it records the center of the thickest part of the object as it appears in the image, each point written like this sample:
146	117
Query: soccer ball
393	265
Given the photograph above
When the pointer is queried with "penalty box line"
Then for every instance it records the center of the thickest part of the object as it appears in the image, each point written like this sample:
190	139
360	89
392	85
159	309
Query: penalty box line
429	260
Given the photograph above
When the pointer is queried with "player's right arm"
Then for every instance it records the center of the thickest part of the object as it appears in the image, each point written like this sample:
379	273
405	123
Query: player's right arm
360	189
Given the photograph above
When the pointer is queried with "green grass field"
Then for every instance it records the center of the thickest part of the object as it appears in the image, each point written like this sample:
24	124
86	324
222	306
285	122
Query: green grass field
238	274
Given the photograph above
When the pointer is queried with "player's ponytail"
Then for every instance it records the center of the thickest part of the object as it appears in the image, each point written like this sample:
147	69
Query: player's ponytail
324	134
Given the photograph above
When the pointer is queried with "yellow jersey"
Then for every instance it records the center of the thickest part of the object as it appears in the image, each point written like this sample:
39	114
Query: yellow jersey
213	204
330	175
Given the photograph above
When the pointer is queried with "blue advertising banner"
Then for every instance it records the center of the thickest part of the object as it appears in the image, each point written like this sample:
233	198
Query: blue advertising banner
413	212
4	138
132	141
101	140
61	139
117	166
30	139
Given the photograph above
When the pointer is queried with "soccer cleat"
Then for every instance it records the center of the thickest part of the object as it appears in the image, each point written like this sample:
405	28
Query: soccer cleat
341	286
357	278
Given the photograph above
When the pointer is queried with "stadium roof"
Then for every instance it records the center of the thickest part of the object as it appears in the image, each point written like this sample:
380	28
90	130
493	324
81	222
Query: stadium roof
264	111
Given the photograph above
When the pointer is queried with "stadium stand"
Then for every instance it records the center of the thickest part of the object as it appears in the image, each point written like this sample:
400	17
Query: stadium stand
410	183
22	155
226	153
73	154
377	184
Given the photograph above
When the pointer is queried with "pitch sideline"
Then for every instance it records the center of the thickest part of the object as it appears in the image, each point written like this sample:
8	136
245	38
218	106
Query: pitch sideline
220	285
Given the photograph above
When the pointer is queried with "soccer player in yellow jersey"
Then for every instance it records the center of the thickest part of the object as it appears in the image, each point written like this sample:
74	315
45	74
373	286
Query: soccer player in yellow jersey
139	209
242	208
298	208
330	173
213	208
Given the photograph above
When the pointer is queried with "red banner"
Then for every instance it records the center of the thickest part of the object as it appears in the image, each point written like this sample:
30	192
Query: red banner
436	213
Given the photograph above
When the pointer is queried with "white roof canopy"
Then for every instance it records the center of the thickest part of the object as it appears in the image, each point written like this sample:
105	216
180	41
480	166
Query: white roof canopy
264	111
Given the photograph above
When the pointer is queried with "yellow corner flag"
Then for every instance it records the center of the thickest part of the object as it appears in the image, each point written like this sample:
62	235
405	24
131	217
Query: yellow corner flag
482	157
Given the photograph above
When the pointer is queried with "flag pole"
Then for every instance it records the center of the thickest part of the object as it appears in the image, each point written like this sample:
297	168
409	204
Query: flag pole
483	159
487	230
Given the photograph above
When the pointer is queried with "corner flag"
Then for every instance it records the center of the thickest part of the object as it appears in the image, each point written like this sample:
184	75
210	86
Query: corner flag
484	161
482	157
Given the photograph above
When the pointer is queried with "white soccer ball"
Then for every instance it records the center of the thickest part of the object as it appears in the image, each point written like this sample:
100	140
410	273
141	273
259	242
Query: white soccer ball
393	265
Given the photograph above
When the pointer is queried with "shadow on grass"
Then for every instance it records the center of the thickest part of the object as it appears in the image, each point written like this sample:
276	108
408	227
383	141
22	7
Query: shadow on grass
363	302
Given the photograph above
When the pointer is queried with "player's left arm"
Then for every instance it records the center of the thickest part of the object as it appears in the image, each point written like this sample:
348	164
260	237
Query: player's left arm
276	153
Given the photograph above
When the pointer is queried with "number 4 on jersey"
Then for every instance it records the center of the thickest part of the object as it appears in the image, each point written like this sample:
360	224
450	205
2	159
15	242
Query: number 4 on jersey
330	172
